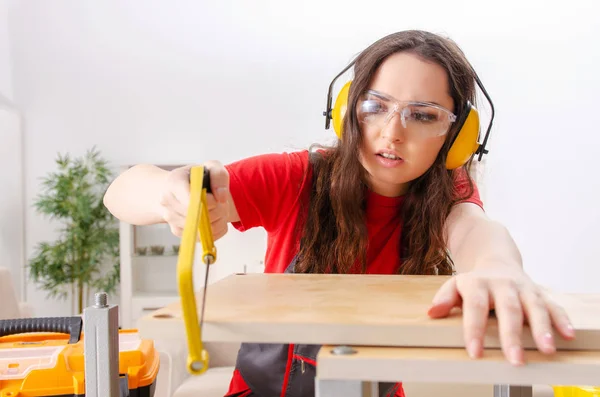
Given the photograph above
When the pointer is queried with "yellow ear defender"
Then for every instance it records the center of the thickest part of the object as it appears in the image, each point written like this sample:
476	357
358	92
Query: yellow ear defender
465	143
339	109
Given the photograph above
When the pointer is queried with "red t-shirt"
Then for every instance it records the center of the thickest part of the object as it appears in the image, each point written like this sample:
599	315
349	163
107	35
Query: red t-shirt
268	191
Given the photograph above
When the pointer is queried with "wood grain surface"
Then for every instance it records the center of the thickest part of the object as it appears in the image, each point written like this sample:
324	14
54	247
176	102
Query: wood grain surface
369	310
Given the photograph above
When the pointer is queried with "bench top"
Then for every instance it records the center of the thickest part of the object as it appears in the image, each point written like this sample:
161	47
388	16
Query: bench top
369	310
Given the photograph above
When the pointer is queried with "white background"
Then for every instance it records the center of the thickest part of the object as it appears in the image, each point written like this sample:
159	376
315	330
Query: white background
187	81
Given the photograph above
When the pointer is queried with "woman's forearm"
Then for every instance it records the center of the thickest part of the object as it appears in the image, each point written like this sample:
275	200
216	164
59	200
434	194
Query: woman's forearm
134	196
488	243
475	241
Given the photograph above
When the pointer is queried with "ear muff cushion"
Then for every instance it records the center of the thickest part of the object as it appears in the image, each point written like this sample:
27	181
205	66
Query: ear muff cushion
465	143
339	109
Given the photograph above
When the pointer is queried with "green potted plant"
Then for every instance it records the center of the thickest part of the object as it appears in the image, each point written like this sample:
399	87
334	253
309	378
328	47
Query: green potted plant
157	249
84	258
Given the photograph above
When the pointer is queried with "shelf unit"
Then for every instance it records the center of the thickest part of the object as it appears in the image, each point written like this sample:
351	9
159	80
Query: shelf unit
148	281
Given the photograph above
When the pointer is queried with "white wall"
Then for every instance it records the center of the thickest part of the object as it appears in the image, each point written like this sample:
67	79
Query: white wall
169	82
11	198
5	64
11	179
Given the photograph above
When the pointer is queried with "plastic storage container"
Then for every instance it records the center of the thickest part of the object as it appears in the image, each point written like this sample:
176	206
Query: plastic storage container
45	364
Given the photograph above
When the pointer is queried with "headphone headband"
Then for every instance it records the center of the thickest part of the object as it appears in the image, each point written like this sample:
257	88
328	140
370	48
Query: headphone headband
327	112
482	150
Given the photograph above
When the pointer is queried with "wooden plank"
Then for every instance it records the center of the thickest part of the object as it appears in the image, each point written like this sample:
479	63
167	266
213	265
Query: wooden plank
346	309
451	365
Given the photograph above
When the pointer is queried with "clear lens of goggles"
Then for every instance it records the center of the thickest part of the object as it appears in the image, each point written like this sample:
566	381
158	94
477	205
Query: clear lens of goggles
420	119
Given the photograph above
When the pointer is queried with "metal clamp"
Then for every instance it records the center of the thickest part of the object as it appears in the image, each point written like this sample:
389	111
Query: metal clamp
101	348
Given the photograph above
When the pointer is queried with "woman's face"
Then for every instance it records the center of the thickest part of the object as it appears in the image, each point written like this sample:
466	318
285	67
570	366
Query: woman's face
400	146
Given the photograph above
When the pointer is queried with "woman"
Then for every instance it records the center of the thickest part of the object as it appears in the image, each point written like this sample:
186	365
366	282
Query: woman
382	200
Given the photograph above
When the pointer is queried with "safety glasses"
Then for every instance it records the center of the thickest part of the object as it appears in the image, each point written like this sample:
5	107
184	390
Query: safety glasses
419	119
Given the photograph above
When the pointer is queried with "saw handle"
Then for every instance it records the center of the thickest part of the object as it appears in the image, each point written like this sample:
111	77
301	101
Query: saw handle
209	252
206	180
197	222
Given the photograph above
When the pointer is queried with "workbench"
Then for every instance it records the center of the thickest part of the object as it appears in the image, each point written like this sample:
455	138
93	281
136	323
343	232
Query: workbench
375	328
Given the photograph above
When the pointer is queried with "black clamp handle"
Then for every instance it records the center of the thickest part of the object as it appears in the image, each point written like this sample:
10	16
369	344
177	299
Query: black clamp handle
64	325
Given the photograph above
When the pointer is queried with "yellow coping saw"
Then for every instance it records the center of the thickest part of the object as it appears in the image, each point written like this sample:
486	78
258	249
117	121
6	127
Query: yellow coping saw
197	222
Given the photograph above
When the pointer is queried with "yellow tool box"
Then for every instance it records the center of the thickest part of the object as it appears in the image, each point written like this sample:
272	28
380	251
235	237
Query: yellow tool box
38	363
576	391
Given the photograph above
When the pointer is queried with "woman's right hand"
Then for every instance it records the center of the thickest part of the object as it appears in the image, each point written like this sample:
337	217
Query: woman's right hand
175	199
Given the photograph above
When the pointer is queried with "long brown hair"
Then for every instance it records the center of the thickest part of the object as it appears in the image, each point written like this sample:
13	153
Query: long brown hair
334	232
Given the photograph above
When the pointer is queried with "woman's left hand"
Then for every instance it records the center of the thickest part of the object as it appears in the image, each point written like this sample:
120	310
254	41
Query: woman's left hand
515	299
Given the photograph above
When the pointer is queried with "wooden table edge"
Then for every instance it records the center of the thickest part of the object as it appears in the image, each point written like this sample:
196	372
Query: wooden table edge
453	365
